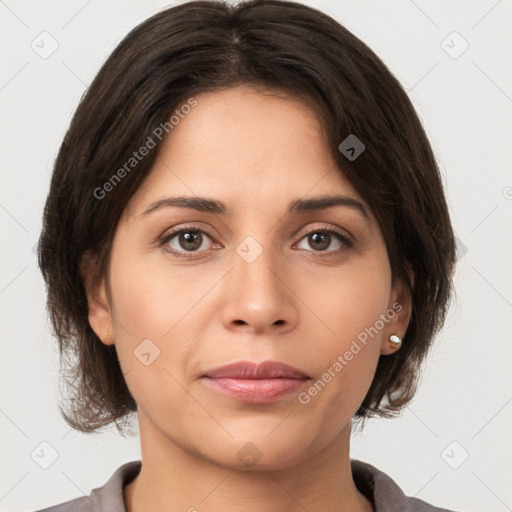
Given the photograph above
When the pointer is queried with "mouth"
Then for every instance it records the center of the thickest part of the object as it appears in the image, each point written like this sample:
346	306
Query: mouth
256	383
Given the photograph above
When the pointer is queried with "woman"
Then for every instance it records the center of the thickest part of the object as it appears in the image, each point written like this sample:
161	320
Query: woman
246	242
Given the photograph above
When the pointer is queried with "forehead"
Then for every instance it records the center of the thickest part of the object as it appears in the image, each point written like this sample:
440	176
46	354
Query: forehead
243	123
245	146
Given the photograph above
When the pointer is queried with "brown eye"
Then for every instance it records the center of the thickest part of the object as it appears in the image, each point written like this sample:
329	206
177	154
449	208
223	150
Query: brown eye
190	240
320	240
185	240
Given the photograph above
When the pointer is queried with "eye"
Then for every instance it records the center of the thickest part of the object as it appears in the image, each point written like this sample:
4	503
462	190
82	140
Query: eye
186	240
182	243
321	239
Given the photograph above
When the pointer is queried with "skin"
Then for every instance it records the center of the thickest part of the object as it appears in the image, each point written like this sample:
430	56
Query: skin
295	303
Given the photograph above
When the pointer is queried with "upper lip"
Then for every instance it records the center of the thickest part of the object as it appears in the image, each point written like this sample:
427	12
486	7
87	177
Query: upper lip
250	370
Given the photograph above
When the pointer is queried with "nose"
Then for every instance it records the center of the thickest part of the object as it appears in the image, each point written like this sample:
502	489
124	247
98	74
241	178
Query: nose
259	296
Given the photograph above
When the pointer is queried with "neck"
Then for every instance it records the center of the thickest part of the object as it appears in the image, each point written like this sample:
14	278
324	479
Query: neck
173	478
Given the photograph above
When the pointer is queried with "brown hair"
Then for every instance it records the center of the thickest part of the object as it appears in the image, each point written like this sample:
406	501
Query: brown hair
204	46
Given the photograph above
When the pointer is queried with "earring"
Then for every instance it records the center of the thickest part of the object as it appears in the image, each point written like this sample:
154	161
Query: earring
106	333
395	341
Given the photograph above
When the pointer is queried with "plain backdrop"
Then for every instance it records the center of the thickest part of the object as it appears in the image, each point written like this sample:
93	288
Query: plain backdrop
452	446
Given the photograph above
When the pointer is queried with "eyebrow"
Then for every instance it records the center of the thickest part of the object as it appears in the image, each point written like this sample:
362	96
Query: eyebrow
204	204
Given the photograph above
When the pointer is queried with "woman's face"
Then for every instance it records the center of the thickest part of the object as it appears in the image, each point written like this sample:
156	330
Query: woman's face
264	277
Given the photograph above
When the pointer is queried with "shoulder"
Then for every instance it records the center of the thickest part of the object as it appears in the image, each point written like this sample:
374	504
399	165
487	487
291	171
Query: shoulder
108	497
385	493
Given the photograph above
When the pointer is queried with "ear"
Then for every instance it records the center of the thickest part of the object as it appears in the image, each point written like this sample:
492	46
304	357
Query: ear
399	313
100	317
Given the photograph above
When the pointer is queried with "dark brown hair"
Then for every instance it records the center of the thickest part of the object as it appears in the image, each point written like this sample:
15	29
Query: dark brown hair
205	46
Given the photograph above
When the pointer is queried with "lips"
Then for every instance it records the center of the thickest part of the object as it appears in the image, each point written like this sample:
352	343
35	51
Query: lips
256	383
249	370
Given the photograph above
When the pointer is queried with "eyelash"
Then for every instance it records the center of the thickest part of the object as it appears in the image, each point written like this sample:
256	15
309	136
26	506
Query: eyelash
347	243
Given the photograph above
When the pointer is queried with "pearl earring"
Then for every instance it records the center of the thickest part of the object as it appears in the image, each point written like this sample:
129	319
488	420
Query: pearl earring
395	341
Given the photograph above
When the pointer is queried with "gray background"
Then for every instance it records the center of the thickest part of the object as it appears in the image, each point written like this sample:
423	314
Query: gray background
452	446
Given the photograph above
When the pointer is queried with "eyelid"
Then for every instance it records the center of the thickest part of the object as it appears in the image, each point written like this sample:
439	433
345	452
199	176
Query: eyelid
329	228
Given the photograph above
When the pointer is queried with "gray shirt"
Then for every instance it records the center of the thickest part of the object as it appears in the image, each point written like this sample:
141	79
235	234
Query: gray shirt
378	487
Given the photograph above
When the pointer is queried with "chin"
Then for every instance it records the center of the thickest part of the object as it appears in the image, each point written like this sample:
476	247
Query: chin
259	453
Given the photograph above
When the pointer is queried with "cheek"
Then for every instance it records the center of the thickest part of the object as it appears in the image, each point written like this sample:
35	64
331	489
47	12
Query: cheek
147	308
350	305
157	313
350	300
144	309
149	299
142	302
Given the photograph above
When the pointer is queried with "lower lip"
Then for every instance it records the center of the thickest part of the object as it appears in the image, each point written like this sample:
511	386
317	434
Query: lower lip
256	391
